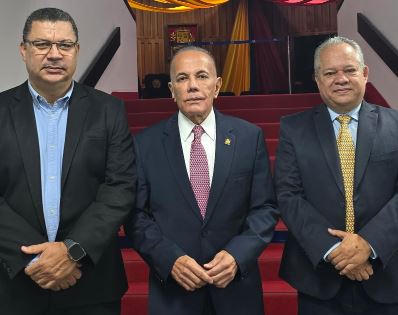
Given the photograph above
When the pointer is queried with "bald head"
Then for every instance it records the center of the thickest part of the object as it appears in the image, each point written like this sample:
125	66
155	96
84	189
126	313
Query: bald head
192	48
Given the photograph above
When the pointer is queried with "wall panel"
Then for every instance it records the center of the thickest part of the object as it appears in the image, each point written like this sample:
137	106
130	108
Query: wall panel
216	24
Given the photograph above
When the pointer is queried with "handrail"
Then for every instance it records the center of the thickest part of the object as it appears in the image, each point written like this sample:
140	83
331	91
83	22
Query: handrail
380	44
102	60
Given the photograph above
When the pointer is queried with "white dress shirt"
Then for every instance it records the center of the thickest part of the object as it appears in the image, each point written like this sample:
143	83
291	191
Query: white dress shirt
208	139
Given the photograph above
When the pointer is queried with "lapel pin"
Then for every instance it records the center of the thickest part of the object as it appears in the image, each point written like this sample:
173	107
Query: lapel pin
227	141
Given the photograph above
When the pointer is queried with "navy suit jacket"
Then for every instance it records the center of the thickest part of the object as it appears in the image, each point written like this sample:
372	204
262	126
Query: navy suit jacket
240	215
97	194
311	198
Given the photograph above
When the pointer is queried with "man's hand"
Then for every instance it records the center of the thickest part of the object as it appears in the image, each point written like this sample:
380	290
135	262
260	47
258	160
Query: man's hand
54	269
68	282
359	273
222	269
189	274
352	250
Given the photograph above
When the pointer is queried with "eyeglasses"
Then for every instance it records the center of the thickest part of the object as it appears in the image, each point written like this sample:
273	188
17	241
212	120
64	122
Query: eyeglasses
44	46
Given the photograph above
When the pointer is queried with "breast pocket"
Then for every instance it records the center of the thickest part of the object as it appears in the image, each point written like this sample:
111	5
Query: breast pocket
240	180
386	156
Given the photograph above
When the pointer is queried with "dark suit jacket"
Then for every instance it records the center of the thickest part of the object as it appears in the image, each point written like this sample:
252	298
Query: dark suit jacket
240	215
311	198
98	182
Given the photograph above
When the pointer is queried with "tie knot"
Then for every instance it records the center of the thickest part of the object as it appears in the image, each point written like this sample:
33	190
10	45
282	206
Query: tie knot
197	132
344	119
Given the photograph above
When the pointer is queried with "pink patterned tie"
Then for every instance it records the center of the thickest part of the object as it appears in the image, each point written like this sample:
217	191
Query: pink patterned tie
199	170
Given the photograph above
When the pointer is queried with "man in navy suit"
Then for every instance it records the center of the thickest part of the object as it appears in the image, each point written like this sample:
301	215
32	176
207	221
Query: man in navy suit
201	222
336	180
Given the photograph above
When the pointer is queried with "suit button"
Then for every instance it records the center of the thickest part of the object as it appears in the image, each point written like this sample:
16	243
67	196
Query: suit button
205	233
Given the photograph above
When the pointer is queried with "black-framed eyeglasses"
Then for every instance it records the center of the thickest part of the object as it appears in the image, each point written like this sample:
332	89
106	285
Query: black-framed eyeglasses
44	46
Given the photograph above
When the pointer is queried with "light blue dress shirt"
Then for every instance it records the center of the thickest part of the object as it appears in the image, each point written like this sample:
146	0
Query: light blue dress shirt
51	122
352	126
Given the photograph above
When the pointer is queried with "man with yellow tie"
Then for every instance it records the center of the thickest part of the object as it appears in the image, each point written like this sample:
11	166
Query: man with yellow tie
336	179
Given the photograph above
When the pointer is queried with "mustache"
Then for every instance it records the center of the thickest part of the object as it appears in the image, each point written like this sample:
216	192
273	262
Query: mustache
54	65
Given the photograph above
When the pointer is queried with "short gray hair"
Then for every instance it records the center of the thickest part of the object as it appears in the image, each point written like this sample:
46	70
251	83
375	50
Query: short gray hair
334	41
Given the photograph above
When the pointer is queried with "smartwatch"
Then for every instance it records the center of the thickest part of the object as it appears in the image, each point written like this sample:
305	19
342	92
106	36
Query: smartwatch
75	251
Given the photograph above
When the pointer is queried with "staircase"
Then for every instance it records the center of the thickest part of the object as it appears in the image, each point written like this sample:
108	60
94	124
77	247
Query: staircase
263	110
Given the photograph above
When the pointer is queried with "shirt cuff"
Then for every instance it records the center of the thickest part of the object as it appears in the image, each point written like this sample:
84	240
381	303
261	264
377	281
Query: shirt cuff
33	260
374	254
325	257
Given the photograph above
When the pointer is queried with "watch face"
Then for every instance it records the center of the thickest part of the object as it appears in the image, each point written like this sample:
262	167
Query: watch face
76	252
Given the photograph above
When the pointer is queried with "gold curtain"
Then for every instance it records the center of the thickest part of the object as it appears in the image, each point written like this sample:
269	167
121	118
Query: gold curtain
184	6
236	72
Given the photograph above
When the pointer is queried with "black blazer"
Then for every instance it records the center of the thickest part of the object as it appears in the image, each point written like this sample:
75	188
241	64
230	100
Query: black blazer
240	215
311	198
97	193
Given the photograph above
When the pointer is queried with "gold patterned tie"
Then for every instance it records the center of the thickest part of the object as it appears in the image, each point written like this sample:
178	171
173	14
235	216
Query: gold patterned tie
346	149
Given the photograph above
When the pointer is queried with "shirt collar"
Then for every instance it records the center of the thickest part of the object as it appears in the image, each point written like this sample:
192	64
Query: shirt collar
185	125
39	100
354	114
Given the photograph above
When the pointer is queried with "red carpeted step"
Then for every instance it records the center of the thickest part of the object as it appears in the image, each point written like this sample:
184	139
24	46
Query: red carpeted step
134	105
266	115
270	130
227	102
126	96
269	262
135	300
279	298
136	269
272	145
280	226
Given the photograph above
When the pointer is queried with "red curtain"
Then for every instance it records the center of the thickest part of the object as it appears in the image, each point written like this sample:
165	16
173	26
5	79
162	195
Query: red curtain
269	69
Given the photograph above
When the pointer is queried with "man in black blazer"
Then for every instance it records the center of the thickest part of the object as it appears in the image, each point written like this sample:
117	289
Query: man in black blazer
202	248
341	261
67	182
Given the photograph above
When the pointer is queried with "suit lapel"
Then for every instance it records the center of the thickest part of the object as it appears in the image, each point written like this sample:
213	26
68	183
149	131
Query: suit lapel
175	156
225	148
327	140
25	127
365	138
78	108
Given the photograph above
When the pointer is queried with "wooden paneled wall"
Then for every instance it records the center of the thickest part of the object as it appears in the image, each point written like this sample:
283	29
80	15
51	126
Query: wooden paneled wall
216	24
302	20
